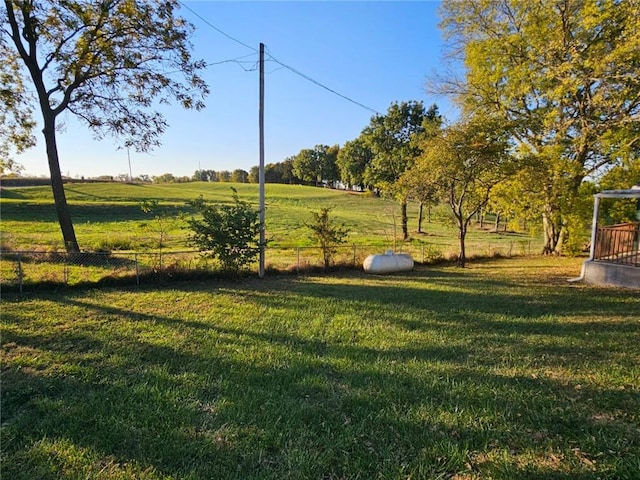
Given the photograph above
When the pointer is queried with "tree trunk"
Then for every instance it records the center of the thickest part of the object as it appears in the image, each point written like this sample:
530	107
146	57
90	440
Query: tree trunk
462	257
496	225
554	234
59	197
405	220
420	217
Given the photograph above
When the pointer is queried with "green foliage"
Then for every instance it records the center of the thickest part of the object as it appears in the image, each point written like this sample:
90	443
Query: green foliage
326	233
204	176
108	63
228	233
108	81
162	223
352	162
316	165
461	164
621	177
16	123
239	176
105	209
389	139
279	172
565	75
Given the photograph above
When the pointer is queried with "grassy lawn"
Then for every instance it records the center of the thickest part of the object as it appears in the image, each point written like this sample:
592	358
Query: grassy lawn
109	217
502	370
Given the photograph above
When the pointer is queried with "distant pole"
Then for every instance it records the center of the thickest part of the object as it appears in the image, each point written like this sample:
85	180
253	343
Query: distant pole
261	165
129	159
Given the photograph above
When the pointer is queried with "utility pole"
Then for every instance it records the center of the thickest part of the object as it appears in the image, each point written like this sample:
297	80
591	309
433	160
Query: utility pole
261	165
129	159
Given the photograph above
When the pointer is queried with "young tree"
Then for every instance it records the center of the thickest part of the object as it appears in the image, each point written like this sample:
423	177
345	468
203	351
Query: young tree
418	190
108	62
463	163
565	75
229	233
327	234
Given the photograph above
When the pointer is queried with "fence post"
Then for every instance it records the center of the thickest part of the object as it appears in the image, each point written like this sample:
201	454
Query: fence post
422	253
298	261
20	275
66	270
354	255
135	260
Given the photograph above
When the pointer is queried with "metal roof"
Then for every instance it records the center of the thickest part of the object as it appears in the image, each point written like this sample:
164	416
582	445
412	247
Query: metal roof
633	192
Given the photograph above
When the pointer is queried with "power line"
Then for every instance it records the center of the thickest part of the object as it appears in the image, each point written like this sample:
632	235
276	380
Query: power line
238	61
272	58
308	78
217	29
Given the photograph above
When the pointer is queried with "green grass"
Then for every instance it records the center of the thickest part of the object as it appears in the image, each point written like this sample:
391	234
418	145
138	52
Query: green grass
502	370
109	217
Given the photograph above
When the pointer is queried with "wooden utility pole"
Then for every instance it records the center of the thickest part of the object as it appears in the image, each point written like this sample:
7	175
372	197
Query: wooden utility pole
129	159
261	165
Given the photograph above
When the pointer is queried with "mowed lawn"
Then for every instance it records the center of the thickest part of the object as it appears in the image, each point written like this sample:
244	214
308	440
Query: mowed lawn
109	217
503	370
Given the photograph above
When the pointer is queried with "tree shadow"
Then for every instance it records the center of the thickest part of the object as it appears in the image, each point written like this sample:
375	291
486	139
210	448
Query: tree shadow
34	212
209	400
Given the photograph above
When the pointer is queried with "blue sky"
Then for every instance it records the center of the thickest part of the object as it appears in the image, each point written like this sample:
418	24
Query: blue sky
372	52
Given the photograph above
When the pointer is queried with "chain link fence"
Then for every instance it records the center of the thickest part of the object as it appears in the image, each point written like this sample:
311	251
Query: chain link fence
28	270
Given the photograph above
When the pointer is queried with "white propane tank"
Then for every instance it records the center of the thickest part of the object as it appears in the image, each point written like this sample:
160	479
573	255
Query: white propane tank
388	263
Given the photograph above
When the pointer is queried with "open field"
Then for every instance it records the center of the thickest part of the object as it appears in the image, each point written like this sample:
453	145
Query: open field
502	370
109	217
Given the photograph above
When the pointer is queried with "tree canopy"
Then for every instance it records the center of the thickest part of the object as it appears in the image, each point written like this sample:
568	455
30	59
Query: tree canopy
316	165
108	62
352	162
388	138
16	123
566	75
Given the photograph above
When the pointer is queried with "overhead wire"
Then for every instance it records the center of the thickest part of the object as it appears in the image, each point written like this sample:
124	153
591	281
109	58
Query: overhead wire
275	60
321	85
238	61
217	29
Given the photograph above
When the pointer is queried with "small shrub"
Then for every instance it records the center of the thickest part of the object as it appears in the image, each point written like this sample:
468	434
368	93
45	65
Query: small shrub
326	234
228	233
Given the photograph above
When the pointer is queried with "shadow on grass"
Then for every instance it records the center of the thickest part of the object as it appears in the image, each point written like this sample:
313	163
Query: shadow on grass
94	213
196	398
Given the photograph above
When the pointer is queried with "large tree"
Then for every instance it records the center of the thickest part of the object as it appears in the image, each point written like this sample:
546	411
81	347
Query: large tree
389	139
317	165
566	74
352	162
109	63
